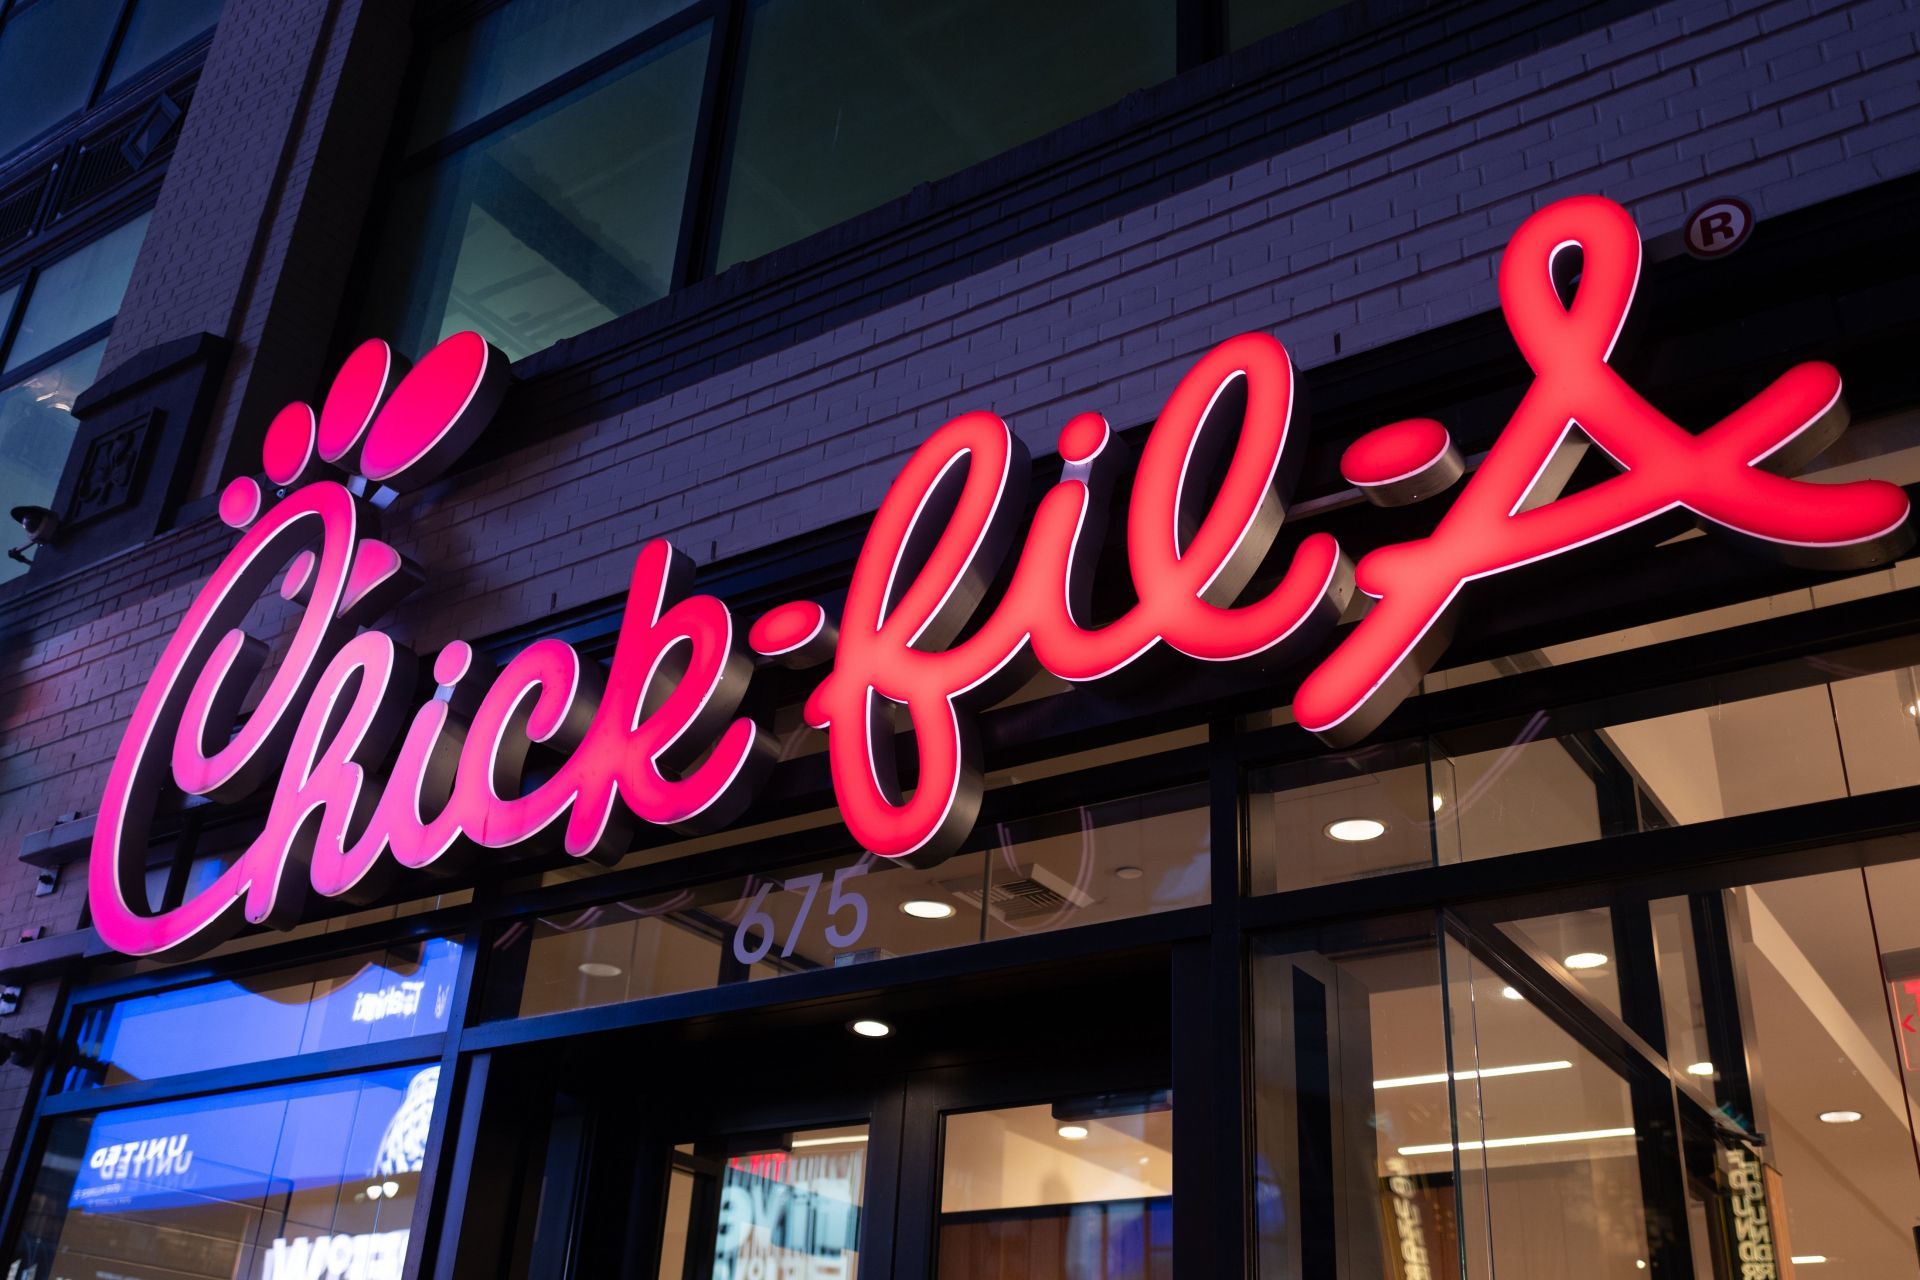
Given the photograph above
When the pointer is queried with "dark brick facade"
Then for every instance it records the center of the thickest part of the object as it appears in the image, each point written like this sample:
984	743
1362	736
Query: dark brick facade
1347	189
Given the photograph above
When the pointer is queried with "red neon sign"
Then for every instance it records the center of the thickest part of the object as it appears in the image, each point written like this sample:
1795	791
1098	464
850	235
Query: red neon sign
360	788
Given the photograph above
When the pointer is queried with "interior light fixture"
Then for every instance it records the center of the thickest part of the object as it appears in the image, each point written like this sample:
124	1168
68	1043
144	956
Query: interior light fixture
1356	830
927	909
1808	1259
594	969
1527	1140
871	1028
1508	993
1484	1073
842	1141
1700	1069
1437	802
374	1191
1128	873
1073	1132
390	1189
1839	1117
1585	960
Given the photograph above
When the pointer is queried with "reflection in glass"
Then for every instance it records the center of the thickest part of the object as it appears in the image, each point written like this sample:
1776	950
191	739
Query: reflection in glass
514	49
48	56
846	105
155	29
77	292
1103	861
262	1185
787	1210
1553	1148
36	434
331	1004
1581	943
561	220
1077	1189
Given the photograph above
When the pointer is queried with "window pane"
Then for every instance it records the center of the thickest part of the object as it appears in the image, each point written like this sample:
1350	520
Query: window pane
350	1000
1078	1187
1339	816
846	104
1350	1076
1250	20
36	433
558	222
517	48
77	293
260	1185
787	1210
49	55
156	29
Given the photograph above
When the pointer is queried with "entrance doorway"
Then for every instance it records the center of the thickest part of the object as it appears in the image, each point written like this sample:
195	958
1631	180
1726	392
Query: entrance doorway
1019	1127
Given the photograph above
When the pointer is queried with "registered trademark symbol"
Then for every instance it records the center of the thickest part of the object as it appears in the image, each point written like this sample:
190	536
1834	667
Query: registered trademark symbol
1718	227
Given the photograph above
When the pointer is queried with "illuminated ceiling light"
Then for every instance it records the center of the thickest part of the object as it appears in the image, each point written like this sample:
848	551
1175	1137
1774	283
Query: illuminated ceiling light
927	909
1700	1069
1356	830
391	1189
1808	1259
1437	802
1073	1132
871	1028
1528	1140
594	969
1128	873
1639	1264
845	1140
1508	993
1143	1159
1839	1117
374	1191
1585	960
1485	1073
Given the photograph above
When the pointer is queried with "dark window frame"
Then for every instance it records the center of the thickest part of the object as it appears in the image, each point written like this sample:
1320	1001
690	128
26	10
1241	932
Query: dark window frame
98	94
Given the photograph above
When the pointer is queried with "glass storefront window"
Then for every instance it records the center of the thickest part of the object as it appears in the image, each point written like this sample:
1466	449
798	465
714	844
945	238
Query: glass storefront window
555	222
1079	1189
76	293
1101	861
299	1180
403	991
844	107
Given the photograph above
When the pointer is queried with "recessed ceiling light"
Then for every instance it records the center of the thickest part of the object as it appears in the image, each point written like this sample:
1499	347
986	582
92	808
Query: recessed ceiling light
1073	1132
1356	830
1585	960
1437	802
1128	873
1143	1159
1508	993
871	1028
375	1191
1808	1259
391	1189
594	969
1839	1117
1700	1069
927	909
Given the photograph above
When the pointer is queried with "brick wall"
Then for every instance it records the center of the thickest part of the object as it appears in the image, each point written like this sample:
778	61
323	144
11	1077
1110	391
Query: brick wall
1374	232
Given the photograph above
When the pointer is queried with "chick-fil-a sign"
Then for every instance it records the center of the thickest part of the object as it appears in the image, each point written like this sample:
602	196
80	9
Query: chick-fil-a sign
363	779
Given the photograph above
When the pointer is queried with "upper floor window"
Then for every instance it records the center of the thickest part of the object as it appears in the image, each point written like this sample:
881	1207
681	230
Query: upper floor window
53	333
573	160
59	57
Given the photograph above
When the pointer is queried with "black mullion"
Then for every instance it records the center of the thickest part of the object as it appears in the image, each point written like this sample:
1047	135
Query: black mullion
446	1220
431	1196
699	216
40	364
114	42
30	1130
1637	968
1225	1157
725	137
560	86
1721	1007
